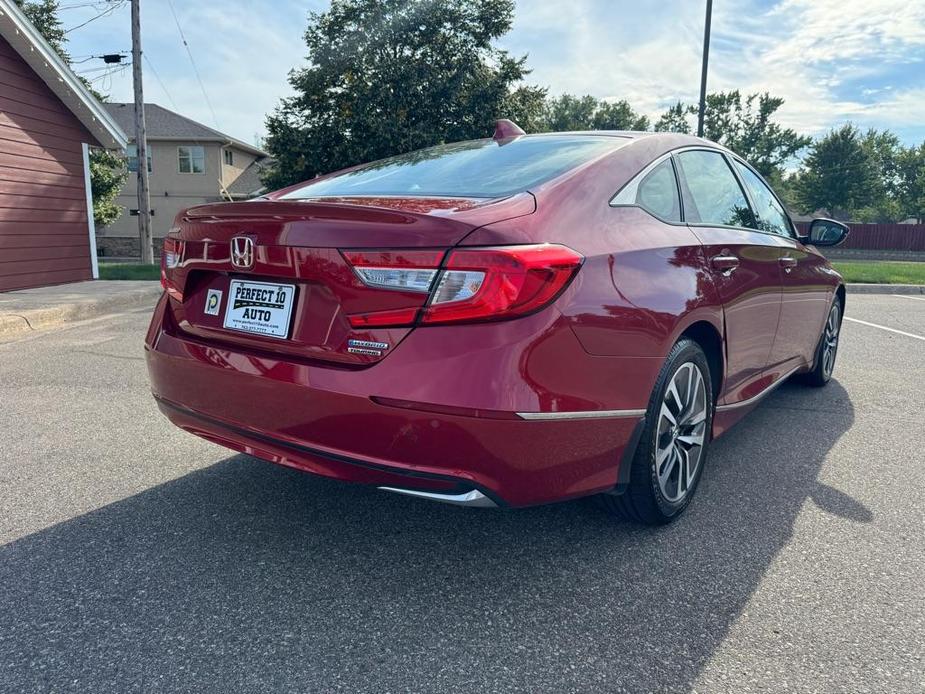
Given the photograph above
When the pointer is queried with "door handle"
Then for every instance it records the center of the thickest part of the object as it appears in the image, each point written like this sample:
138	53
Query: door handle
788	263
725	262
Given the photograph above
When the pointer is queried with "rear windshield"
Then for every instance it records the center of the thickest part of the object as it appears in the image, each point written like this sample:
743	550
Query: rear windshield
477	169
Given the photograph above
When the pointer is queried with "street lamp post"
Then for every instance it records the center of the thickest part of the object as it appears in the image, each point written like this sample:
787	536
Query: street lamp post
703	70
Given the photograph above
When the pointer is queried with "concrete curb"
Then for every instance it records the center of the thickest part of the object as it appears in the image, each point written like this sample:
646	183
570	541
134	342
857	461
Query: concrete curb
856	288
15	321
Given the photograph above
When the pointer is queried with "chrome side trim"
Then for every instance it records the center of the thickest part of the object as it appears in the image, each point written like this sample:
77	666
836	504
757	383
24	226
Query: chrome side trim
474	498
756	398
587	414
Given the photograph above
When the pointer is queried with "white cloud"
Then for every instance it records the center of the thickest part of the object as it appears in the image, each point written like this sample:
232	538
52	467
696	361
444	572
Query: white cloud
831	60
810	52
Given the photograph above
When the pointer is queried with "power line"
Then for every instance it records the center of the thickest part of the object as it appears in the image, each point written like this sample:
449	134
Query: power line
105	13
101	68
193	63
160	81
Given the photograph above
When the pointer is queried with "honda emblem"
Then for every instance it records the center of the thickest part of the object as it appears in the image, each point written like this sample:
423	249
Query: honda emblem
242	252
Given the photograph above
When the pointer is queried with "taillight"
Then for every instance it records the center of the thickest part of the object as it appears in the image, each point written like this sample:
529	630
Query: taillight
410	271
473	284
171	255
495	283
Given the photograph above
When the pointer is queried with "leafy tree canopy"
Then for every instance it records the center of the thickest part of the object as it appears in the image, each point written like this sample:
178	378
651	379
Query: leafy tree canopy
910	187
674	120
838	174
391	76
569	112
44	15
744	125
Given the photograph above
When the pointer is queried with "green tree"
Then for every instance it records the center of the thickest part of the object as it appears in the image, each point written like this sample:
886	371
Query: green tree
910	185
838	174
674	120
391	76
107	170
107	176
568	112
618	115
744	125
44	16
882	150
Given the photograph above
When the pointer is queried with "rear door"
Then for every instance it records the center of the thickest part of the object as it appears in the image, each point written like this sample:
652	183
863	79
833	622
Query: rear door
744	263
806	285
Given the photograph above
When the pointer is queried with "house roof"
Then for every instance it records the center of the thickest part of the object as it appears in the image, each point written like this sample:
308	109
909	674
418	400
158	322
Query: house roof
248	184
164	124
26	40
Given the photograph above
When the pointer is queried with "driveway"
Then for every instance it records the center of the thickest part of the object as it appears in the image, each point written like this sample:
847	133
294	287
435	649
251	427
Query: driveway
135	557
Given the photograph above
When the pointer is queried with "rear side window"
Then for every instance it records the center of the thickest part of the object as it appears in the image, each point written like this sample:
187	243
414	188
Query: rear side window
770	214
479	168
654	190
712	194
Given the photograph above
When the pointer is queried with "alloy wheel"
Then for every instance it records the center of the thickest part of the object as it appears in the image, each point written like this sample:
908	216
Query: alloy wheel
682	429
830	340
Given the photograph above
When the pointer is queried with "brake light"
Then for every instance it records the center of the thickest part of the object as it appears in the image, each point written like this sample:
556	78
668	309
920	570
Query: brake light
497	283
171	255
473	284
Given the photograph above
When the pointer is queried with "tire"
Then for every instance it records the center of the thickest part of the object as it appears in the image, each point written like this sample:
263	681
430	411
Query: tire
826	350
655	499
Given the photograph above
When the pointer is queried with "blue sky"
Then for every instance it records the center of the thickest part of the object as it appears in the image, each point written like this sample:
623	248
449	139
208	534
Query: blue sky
832	60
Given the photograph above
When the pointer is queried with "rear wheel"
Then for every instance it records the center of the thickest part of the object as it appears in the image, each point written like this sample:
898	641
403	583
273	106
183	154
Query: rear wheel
827	349
673	446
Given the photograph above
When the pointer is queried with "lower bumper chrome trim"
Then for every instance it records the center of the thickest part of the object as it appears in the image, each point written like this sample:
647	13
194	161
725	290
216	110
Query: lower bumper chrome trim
473	498
587	414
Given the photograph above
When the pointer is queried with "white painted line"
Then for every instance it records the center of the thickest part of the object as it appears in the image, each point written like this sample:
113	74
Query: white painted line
906	296
883	327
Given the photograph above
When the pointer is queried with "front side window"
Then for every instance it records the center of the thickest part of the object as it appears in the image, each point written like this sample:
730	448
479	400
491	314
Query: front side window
712	194
131	158
654	190
770	214
192	160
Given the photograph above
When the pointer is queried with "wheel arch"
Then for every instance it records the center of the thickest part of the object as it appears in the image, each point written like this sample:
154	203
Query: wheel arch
705	334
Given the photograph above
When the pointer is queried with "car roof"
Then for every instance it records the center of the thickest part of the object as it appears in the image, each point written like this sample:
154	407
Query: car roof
691	140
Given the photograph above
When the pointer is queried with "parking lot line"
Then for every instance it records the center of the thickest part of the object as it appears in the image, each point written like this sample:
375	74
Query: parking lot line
883	327
914	298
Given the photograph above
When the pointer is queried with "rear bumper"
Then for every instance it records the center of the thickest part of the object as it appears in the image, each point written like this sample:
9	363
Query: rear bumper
325	421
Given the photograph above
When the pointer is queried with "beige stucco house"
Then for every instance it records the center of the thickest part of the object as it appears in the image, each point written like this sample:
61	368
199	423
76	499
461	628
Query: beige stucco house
189	164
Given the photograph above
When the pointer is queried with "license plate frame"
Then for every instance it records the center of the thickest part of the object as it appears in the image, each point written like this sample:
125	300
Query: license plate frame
259	308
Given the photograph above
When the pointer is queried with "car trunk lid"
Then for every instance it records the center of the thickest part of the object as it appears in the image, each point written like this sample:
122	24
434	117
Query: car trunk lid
296	261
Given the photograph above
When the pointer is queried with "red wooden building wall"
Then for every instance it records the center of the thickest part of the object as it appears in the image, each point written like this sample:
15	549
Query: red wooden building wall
44	236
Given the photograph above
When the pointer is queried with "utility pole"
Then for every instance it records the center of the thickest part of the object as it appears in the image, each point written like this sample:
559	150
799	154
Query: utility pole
703	70
141	142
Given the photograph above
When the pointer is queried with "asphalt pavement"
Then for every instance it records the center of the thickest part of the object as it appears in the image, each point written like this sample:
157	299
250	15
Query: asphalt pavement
137	558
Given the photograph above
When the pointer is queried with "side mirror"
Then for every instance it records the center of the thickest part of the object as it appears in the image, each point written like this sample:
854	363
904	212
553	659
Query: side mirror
826	232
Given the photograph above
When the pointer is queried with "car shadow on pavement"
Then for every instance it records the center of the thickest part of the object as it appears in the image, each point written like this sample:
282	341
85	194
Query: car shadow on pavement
249	577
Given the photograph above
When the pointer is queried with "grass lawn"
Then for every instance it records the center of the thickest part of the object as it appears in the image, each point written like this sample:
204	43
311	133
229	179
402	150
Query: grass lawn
129	271
881	271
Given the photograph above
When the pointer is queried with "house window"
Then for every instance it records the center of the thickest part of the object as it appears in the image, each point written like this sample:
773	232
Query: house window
192	160
131	156
229	157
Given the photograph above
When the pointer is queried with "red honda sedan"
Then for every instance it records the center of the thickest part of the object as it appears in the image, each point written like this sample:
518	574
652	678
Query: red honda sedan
509	321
